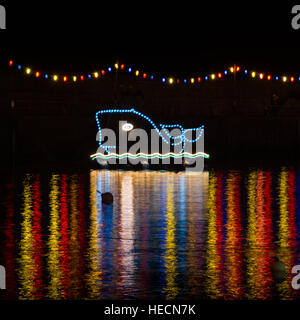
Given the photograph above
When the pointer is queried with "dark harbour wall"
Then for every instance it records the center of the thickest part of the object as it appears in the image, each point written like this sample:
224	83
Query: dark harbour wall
48	123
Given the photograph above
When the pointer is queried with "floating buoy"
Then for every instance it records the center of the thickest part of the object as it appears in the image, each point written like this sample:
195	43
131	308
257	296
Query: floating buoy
107	198
279	271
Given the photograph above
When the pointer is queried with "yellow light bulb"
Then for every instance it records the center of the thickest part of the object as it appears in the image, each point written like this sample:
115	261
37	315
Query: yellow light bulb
213	76
231	69
284	79
116	66
171	80
55	77
28	70
253	74
137	72
74	78
192	80
96	74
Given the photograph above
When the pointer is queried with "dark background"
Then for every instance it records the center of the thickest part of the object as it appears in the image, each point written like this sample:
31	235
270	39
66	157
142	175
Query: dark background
175	37
168	38
179	37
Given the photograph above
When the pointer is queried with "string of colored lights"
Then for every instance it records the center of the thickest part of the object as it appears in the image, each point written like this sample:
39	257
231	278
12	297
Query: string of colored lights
169	80
149	156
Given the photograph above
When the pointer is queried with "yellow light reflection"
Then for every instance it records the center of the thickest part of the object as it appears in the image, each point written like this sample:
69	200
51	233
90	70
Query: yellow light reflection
75	248
26	271
251	235
171	289
212	257
284	252
54	287
94	278
283	208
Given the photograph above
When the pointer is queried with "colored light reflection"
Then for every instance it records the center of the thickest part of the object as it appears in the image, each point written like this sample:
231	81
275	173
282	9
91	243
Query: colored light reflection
213	253
167	235
171	289
95	274
53	261
74	226
127	234
192	235
286	229
9	243
260	252
233	243
65	237
38	245
26	262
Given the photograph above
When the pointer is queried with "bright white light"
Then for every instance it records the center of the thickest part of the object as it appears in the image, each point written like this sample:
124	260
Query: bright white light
127	127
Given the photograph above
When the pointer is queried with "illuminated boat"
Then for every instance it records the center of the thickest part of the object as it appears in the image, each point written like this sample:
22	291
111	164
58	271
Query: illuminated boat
115	154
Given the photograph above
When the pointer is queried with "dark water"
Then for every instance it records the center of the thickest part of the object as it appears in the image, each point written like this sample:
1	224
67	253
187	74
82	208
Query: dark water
211	235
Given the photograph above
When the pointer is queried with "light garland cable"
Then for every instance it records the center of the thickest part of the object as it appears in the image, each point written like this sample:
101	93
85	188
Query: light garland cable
97	74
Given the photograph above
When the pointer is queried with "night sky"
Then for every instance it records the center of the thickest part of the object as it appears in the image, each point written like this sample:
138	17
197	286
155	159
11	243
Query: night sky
177	37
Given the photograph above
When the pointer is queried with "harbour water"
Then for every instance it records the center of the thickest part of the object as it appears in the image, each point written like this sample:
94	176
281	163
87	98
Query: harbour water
211	235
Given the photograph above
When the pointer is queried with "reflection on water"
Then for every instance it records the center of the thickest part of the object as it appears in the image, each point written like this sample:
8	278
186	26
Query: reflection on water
212	235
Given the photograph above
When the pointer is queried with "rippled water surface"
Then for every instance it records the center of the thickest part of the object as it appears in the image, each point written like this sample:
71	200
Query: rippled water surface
210	235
